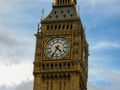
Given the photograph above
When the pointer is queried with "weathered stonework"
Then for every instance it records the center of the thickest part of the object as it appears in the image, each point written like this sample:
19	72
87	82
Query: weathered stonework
71	71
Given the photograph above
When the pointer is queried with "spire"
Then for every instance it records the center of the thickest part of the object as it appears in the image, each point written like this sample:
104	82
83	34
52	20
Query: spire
64	2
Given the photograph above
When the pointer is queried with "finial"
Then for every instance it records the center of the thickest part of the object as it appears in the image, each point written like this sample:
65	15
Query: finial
42	14
38	27
78	10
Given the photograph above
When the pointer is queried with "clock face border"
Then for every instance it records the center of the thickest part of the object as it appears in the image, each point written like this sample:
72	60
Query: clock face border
57	48
66	57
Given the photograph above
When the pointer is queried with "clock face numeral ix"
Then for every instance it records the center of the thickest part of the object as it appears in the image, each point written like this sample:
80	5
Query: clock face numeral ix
57	48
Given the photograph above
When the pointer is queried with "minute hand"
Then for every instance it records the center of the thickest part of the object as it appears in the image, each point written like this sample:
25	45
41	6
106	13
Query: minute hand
58	49
54	52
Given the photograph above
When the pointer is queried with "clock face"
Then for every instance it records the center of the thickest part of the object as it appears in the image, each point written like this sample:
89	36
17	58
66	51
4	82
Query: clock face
57	48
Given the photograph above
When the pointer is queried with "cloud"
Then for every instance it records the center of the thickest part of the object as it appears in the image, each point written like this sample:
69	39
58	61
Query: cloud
98	2
4	87
16	73
46	0
12	49
7	40
92	86
7	6
103	79
27	85
24	85
16	50
17	22
114	78
97	9
104	45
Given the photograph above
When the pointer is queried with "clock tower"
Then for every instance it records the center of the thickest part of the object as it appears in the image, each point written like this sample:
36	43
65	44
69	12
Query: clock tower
61	55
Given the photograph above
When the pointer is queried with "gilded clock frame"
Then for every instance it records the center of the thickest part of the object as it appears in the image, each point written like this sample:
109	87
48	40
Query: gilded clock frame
68	37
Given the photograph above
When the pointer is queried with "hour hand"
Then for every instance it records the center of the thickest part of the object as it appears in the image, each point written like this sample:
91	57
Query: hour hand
57	47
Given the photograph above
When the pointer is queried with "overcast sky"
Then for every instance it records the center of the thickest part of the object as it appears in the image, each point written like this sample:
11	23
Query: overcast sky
18	23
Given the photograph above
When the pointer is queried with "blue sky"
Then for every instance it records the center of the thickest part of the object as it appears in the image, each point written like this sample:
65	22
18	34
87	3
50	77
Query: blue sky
18	23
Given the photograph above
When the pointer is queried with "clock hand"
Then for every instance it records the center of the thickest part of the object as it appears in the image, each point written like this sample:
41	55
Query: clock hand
57	47
54	52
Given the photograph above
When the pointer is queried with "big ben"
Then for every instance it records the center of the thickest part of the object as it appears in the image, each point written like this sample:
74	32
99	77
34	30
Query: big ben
61	54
